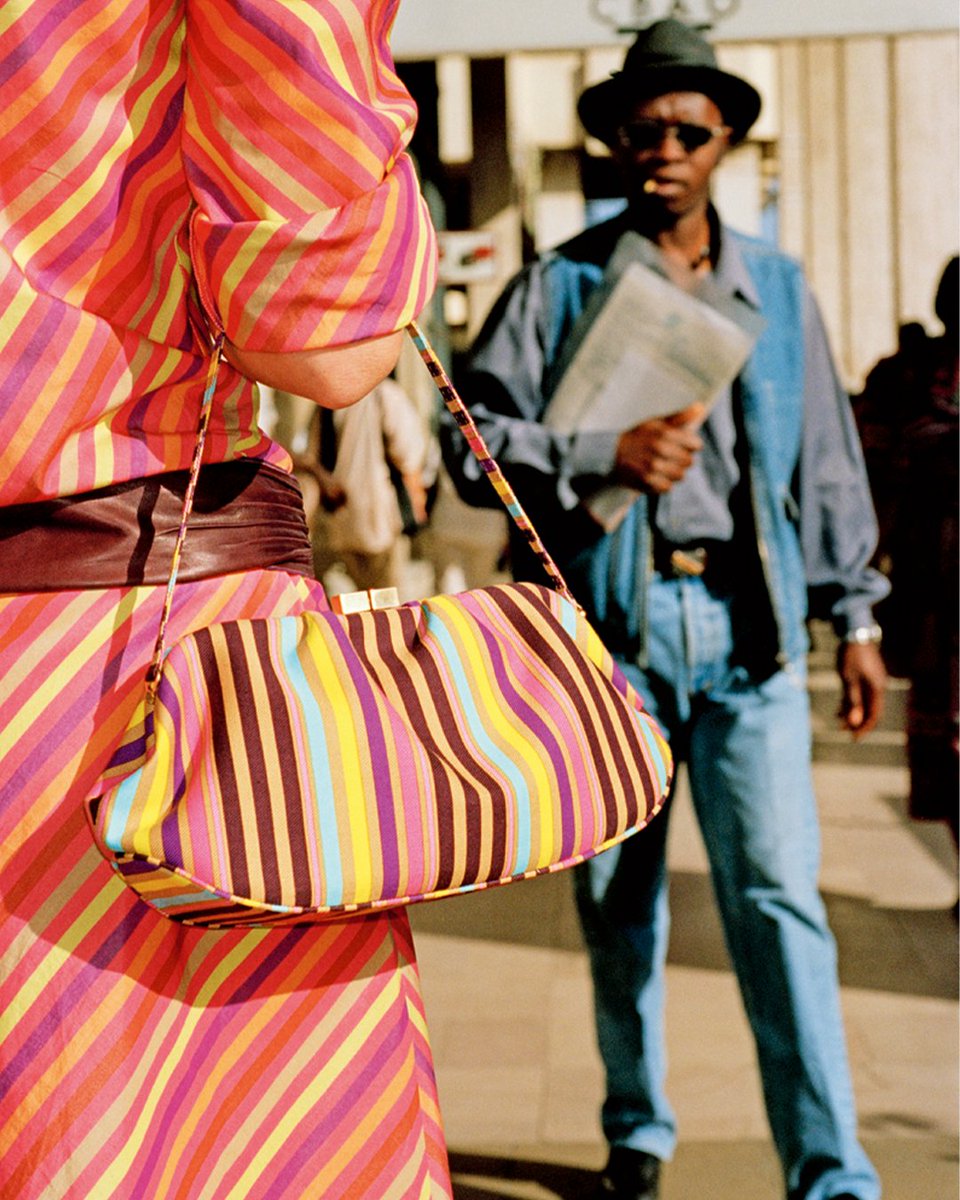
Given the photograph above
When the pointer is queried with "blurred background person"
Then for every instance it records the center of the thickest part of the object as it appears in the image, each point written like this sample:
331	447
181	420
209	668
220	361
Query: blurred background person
908	414
736	527
368	463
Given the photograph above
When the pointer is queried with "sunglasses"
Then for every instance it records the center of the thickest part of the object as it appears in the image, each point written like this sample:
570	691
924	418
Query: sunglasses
648	134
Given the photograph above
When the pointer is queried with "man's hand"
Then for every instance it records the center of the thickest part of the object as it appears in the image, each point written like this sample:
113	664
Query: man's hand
331	493
864	679
417	493
652	457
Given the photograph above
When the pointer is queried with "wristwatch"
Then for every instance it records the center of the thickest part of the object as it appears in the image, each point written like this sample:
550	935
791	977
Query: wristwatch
864	635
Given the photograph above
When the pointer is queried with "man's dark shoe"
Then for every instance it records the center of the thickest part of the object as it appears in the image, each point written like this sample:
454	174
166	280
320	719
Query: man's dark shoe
629	1175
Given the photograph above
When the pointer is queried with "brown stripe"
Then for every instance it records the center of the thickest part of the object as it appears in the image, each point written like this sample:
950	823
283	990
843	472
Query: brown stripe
491	841
252	733
627	718
293	798
390	661
468	773
223	761
584	680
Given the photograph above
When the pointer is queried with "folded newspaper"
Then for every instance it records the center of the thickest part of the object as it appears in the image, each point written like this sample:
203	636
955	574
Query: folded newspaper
643	348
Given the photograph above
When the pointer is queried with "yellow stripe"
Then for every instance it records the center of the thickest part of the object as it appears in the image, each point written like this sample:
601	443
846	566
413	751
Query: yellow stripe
280	840
255	1027
121	1163
342	711
64	652
523	752
281	1092
91	1038
222	166
59	953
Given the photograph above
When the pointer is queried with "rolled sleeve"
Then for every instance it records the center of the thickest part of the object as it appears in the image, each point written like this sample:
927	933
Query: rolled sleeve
838	525
309	228
503	386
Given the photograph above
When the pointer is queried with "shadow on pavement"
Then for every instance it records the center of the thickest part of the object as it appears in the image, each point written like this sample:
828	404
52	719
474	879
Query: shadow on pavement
491	1177
905	951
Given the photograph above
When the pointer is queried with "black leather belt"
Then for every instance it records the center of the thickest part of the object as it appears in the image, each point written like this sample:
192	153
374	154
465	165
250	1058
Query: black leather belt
711	560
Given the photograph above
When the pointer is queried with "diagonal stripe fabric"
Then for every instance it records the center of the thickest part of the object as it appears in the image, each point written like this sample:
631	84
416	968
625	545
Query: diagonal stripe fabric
142	1059
171	168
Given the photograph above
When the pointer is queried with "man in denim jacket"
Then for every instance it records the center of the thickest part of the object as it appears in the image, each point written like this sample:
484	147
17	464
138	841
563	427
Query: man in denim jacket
743	524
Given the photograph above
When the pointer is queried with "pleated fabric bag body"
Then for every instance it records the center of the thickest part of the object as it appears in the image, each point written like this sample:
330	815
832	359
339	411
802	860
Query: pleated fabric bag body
295	769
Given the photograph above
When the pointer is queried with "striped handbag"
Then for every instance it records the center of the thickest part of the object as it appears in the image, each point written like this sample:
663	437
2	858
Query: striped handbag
294	769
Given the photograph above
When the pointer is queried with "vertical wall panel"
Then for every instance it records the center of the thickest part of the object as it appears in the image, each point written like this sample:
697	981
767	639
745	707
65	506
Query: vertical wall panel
870	264
455	130
738	189
866	140
927	134
543	91
793	149
757	61
826	244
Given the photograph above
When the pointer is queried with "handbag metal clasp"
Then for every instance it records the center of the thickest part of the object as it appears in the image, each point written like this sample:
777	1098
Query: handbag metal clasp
369	600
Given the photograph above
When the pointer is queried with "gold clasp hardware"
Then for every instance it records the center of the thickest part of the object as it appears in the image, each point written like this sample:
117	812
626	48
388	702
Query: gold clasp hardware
369	600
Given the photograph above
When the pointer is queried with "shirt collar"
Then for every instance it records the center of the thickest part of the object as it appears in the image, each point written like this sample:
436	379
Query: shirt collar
730	273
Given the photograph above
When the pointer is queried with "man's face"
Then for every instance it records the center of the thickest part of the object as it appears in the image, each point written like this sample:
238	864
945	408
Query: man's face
668	148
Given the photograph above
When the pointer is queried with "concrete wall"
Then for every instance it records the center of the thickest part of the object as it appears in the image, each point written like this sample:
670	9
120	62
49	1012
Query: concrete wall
859	137
426	28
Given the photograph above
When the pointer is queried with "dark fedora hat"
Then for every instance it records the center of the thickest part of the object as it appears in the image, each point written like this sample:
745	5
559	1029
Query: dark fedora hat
668	56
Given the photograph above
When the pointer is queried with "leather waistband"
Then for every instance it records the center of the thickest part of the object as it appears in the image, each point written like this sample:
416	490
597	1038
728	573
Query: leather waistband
247	515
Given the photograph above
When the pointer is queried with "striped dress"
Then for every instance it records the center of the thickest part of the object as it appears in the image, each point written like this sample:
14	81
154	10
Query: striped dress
168	167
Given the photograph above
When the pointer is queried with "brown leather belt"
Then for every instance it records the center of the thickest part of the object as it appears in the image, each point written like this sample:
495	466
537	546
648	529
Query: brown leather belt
247	515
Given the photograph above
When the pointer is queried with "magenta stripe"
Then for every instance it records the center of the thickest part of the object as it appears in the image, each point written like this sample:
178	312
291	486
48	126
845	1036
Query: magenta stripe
536	726
345	630
71	998
228	1015
376	1054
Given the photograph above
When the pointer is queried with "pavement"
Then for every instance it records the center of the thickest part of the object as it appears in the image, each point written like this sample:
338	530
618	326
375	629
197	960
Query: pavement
509	1005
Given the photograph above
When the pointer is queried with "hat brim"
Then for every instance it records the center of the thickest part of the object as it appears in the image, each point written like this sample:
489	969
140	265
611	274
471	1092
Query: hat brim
603	106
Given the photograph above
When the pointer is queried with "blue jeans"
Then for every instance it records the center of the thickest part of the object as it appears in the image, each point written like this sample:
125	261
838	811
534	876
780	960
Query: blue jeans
747	749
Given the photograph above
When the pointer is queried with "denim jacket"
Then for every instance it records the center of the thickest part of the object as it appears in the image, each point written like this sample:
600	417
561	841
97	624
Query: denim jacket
813	520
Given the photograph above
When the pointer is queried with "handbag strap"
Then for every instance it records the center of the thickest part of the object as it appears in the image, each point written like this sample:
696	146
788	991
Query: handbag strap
488	463
206	406
465	423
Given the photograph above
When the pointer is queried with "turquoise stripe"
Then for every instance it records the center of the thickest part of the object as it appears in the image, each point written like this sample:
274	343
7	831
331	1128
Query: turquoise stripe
462	686
568	618
120	813
193	898
316	741
200	897
656	754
